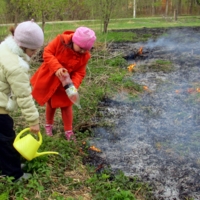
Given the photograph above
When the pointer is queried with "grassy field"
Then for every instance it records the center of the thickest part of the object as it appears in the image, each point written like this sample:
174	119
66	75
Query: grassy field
66	177
54	28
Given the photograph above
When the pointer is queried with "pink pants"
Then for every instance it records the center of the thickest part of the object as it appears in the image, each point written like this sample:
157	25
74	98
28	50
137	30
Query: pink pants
67	116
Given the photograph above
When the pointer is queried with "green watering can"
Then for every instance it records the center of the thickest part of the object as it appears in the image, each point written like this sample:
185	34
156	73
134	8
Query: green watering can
27	146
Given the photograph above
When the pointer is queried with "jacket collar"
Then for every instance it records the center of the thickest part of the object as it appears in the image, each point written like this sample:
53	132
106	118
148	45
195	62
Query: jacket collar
14	48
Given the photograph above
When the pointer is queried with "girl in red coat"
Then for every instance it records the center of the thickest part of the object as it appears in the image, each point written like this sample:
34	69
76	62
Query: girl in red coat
67	52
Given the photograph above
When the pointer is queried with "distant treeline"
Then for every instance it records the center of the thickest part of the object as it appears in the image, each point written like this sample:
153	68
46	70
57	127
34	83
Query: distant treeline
14	11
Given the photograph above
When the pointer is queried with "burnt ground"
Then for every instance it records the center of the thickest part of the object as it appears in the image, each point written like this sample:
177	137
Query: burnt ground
156	136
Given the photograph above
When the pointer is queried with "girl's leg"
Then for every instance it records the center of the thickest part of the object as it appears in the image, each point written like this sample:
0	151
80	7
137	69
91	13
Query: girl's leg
67	116
10	163
50	112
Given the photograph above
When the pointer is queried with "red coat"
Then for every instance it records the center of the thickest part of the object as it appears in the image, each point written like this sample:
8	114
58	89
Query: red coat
57	54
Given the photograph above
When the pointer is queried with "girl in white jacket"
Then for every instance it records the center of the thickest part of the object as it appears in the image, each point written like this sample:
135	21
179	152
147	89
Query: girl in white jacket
15	91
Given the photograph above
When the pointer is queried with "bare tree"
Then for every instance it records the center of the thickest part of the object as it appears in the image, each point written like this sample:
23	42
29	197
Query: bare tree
104	9
153	7
191	6
134	8
179	6
14	8
44	9
166	7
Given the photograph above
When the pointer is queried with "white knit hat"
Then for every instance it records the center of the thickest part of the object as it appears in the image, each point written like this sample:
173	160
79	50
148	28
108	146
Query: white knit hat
29	35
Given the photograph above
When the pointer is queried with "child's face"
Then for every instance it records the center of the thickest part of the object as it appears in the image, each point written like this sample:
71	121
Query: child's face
30	52
78	49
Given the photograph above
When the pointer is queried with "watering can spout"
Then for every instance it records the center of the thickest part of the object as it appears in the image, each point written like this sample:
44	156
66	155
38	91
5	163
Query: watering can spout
27	146
46	152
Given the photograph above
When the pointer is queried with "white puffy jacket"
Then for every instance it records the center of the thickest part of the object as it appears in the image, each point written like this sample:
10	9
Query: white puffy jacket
15	89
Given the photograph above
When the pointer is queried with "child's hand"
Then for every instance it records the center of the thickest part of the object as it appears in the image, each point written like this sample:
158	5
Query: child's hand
35	128
63	76
61	72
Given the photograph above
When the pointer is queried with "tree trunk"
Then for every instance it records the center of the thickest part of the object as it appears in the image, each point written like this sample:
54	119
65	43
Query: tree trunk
105	27
134	8
167	8
16	17
191	6
163	6
179	7
175	15
43	20
153	7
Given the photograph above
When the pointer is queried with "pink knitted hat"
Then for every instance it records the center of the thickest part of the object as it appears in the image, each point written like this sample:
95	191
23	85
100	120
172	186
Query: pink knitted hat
29	35
84	37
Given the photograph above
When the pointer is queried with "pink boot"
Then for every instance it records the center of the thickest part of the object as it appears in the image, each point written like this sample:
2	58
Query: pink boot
48	129
69	135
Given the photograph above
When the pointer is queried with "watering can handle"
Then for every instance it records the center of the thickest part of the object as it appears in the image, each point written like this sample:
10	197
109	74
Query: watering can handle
25	130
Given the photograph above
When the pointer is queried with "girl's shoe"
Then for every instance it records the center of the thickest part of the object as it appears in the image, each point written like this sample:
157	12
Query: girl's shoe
69	135
48	129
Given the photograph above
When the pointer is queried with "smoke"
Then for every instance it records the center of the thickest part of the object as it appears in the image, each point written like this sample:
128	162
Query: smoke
180	39
156	137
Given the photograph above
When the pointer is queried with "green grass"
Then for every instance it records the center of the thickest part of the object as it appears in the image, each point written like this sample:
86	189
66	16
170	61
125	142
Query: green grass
131	23
52	29
156	66
66	177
